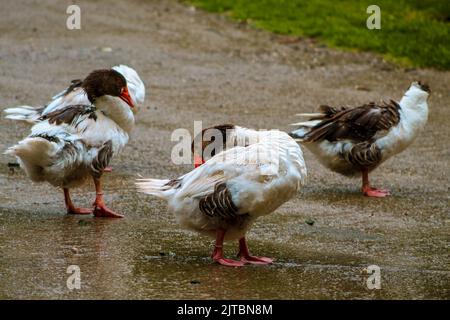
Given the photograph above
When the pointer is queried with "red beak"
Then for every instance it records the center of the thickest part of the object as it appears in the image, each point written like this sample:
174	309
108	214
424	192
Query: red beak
198	161
125	96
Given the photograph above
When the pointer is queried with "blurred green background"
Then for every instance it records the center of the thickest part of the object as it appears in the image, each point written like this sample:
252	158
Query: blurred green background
414	33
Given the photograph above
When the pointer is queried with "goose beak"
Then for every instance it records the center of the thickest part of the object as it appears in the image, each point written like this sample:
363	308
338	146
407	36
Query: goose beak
198	161
125	96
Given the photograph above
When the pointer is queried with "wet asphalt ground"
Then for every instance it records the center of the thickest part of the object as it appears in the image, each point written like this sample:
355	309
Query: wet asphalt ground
203	67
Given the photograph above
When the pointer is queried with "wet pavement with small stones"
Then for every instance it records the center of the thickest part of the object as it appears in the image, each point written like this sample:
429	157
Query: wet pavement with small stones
201	66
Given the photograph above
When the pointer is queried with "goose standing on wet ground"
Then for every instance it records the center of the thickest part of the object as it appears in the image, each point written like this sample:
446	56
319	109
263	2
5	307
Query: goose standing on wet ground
357	140
256	173
76	135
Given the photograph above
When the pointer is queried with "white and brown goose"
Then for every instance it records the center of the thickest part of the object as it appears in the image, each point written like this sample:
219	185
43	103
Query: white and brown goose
354	141
76	135
256	173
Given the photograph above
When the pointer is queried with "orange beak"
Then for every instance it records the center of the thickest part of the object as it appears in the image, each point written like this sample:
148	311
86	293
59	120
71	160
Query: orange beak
198	161
125	96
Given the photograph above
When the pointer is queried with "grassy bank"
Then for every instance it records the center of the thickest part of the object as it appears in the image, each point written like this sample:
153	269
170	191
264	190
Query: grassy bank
413	32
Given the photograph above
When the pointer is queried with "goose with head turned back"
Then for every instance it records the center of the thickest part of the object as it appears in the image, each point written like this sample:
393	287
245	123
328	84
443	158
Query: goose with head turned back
256	173
357	140
75	136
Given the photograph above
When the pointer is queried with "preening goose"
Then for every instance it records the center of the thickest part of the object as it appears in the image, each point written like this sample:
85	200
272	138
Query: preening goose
75	136
357	140
256	173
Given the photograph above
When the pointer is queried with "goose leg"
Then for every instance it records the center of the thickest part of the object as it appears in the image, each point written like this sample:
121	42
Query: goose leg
368	190
71	209
108	169
245	256
217	254
100	209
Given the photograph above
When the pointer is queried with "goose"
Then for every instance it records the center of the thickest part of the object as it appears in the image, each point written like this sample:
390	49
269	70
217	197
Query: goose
353	141
75	136
255	173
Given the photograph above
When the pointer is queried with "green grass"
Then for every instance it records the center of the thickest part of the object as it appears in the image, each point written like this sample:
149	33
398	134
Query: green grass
413	32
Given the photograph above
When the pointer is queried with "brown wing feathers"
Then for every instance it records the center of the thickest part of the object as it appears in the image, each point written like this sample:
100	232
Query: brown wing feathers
328	112
358	124
103	159
363	155
68	114
219	203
